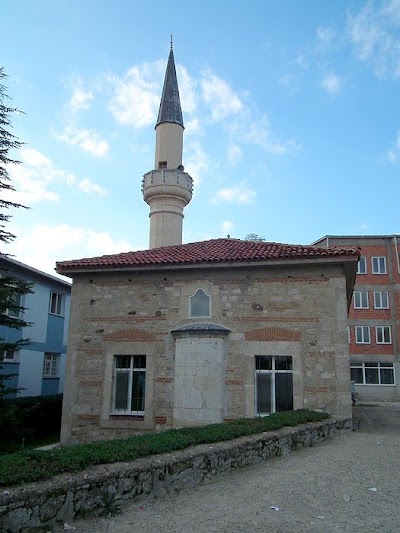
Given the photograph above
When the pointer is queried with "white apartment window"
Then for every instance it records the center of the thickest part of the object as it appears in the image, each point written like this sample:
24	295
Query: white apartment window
56	303
200	305
8	356
379	265
362	266
363	335
15	300
129	384
162	164
381	300
361	300
372	373
51	365
274	384
383	335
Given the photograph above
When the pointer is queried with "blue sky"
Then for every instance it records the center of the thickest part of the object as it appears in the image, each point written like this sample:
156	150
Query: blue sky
291	109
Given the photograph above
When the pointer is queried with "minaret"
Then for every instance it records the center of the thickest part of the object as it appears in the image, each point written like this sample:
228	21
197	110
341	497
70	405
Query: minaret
168	189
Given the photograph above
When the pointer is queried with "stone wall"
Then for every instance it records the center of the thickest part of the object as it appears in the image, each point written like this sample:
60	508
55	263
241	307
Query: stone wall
38	507
295	311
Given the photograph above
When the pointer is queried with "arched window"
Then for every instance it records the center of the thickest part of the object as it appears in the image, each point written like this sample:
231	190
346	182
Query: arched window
200	305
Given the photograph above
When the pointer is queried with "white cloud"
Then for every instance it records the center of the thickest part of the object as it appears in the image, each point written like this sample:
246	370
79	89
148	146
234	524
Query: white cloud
374	34
88	186
30	184
227	226
193	126
220	98
288	81
41	246
240	194
35	158
133	99
31	178
302	60
196	161
392	156
364	32
136	94
187	90
88	140
332	83
392	9
34	177
258	132
234	154
326	35
80	96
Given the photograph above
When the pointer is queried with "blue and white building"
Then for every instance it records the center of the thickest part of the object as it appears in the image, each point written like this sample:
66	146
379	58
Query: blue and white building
39	366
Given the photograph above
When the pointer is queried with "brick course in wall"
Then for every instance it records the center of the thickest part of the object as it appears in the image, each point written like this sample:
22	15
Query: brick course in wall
136	334
273	334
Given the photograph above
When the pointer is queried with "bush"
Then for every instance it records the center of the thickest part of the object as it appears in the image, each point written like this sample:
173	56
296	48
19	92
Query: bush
34	465
24	420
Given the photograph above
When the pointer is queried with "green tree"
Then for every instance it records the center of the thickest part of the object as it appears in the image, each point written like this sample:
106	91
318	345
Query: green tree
11	288
254	237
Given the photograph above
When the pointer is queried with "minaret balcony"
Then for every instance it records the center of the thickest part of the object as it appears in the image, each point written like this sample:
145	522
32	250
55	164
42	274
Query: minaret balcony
167	182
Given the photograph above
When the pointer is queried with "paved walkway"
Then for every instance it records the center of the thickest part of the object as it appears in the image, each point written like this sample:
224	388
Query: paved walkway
350	484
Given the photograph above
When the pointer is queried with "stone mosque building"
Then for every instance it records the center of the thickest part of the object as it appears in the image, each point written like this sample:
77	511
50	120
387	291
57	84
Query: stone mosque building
190	334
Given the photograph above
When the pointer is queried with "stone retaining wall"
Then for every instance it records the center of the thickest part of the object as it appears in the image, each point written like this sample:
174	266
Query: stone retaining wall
37	507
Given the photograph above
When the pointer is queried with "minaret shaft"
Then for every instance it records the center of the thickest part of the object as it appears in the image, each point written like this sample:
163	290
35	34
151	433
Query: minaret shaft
169	145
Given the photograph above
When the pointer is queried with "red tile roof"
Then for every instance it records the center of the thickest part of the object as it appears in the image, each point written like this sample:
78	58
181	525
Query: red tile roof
213	251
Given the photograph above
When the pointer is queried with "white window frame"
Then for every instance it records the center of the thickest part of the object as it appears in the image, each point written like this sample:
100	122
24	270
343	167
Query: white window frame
191	314
378	300
15	314
361	300
9	356
56	304
380	366
363	336
385	332
378	264
362	266
51	365
130	371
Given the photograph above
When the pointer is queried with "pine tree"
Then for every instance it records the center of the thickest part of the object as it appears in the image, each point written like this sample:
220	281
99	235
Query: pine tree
11	288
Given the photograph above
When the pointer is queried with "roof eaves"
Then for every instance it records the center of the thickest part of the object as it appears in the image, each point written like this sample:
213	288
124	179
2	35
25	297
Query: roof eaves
191	265
354	237
35	271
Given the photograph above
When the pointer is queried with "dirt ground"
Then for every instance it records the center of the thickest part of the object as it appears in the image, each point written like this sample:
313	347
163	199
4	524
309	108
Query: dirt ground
349	484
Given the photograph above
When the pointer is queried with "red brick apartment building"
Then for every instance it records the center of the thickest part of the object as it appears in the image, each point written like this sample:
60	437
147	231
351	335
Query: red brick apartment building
374	315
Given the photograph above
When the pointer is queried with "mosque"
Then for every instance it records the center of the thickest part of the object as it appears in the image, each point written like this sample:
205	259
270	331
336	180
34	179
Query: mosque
198	333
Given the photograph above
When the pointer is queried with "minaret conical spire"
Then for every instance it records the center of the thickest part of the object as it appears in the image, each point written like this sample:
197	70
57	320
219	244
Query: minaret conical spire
170	105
